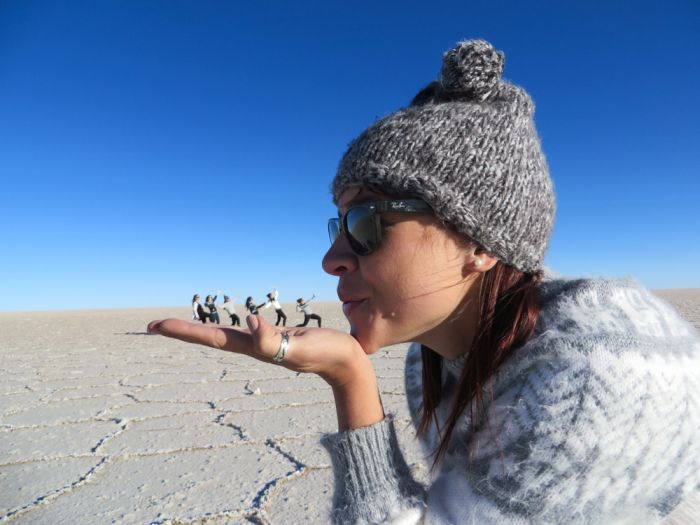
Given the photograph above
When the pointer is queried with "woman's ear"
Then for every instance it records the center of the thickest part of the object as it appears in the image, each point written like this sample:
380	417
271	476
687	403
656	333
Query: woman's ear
479	260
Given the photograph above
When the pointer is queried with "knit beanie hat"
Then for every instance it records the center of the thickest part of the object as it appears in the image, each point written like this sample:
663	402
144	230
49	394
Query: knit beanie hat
467	146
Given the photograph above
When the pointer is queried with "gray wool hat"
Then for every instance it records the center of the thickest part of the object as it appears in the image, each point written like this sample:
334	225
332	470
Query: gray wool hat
468	146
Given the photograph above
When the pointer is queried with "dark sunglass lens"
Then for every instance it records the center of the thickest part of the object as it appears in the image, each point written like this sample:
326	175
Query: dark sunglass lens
333	229
362	230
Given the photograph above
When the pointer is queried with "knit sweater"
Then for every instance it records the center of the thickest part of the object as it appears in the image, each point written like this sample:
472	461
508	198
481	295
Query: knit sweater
594	420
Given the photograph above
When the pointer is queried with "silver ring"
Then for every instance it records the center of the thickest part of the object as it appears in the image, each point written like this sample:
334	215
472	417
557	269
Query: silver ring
284	346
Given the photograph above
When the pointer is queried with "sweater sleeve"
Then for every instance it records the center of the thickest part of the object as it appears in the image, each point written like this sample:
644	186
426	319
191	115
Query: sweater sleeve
373	483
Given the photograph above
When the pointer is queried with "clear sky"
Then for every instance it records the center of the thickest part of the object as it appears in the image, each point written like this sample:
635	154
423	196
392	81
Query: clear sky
151	150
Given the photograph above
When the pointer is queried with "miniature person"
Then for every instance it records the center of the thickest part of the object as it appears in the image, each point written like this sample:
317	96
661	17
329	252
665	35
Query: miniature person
303	306
272	301
229	307
251	306
198	312
209	303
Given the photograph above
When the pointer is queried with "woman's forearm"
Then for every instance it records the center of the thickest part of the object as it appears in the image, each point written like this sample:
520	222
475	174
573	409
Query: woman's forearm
357	401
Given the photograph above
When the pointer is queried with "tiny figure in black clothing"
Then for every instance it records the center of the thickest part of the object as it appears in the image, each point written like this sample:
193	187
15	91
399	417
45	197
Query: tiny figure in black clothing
303	306
209	303
272	301
252	307
198	313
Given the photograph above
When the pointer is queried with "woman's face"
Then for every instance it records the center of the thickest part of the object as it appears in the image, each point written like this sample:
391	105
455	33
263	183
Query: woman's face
411	288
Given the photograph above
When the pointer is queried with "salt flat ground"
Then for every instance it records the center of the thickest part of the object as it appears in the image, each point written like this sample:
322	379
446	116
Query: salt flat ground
102	423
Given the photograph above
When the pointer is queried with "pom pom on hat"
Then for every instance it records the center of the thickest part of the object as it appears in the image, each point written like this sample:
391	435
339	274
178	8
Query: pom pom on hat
472	69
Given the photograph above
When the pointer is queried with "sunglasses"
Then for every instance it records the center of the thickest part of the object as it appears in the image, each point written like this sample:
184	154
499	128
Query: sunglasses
362	226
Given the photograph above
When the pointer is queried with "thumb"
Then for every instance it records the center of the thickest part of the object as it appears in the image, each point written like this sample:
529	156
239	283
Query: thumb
253	323
153	326
266	339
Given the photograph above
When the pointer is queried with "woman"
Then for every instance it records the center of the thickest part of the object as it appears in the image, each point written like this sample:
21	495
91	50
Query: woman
303	306
272	300
213	313
230	308
537	400
251	306
198	312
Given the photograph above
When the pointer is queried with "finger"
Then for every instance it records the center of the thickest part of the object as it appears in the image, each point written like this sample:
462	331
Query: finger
222	338
266	338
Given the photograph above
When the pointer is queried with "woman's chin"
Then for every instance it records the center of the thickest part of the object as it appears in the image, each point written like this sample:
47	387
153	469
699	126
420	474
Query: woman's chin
368	343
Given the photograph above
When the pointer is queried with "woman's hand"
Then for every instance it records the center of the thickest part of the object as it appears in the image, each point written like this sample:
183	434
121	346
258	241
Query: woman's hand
335	356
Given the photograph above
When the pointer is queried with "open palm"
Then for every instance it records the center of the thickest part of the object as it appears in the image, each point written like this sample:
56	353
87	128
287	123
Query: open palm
329	353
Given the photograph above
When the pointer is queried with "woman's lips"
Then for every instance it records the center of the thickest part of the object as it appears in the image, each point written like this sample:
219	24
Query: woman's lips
350	306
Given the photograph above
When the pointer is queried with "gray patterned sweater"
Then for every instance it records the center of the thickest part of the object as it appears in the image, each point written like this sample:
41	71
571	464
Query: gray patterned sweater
595	420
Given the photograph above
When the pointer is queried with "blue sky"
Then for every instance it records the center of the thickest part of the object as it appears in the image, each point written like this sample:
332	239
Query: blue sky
150	150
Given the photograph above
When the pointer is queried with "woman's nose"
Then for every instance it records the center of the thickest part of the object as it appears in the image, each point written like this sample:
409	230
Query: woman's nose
339	259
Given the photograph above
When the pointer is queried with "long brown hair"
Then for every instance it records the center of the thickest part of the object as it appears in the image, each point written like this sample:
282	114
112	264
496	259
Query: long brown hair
508	312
